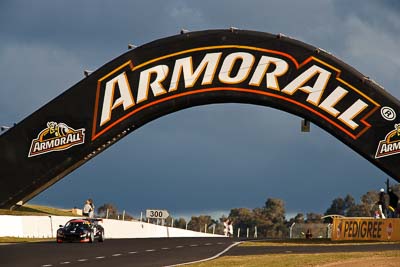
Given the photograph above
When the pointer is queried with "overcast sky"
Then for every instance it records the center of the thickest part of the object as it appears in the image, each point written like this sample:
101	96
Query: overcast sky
213	158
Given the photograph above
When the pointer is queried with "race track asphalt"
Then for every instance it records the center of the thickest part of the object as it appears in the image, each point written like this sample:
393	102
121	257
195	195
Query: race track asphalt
153	252
115	252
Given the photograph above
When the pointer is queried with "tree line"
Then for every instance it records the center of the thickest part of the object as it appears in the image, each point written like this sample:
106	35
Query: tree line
270	219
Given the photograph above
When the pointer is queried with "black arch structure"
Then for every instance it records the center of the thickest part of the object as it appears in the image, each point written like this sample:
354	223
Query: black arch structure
191	69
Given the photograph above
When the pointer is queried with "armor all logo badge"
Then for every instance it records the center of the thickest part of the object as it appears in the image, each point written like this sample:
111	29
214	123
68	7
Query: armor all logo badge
56	137
390	145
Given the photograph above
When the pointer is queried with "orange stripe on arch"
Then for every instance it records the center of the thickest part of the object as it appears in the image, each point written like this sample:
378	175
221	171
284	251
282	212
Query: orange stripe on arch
133	68
244	90
96	104
286	55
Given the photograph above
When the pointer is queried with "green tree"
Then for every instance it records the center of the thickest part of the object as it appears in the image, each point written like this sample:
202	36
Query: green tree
348	207
197	223
180	223
349	202
219	228
270	219
299	218
263	223
368	203
340	206
242	218
313	217
112	211
396	189
370	198
359	210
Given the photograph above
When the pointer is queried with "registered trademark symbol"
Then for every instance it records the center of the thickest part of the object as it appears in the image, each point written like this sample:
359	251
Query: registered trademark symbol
388	113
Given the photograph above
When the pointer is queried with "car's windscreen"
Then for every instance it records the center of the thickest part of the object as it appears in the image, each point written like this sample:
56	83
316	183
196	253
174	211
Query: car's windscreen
73	226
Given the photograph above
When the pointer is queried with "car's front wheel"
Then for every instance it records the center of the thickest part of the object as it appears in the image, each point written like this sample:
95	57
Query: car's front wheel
101	237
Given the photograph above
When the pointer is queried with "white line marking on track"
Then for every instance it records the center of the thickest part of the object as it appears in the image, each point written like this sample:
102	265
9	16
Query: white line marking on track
150	250
288	251
47	265
116	255
194	245
82	260
208	244
100	257
179	246
211	258
132	252
220	243
65	262
164	248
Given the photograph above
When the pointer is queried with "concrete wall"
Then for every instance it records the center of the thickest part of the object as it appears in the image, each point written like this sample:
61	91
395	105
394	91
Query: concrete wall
46	227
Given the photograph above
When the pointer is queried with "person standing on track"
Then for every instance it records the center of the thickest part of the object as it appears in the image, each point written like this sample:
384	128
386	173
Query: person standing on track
230	228
382	204
226	227
86	208
91	211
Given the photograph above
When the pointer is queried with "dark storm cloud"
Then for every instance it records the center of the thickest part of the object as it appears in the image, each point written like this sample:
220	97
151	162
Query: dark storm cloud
377	13
93	25
207	158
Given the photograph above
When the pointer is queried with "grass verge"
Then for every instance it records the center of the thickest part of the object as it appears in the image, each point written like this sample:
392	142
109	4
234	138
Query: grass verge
295	260
9	239
36	210
304	242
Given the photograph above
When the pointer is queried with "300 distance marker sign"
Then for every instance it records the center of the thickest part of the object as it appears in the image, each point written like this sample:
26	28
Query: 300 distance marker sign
157	214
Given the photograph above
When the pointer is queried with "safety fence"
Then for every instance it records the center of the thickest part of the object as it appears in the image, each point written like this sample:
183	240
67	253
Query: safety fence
310	230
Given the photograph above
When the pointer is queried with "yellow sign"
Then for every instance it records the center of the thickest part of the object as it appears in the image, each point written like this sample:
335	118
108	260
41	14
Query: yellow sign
366	229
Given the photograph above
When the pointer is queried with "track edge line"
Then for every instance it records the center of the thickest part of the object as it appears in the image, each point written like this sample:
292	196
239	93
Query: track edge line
207	259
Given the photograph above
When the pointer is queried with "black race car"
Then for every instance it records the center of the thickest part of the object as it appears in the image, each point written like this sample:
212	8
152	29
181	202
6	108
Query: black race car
81	230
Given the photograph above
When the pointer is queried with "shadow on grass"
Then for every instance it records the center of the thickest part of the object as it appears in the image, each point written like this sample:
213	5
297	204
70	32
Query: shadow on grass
23	211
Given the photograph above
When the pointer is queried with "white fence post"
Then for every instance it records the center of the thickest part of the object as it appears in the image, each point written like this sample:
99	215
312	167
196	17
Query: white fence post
247	235
329	230
291	231
51	226
238	233
255	231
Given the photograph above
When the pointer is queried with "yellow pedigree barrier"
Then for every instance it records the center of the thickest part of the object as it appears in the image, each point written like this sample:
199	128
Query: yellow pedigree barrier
366	229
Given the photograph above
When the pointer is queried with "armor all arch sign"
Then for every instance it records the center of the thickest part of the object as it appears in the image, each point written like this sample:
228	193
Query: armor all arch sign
191	69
